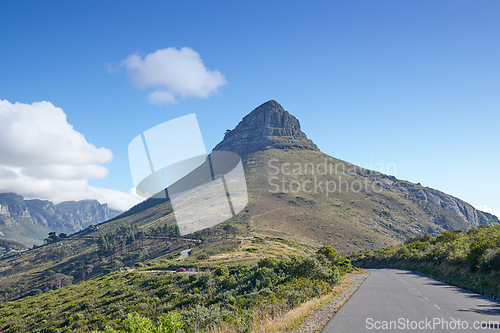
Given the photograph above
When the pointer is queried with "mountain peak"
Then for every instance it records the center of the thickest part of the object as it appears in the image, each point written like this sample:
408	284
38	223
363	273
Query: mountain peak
267	126
270	106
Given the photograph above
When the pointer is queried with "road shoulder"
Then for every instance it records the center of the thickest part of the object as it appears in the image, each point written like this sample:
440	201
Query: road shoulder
319	318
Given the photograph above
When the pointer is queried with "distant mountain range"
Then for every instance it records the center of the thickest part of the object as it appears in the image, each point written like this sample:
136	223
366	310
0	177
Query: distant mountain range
30	221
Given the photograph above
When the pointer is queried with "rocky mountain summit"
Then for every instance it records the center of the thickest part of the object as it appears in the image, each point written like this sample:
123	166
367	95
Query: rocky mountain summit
268	126
29	221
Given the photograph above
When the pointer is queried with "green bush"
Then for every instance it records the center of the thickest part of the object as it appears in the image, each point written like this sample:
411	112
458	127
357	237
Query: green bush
268	262
170	323
331	254
135	323
202	256
221	271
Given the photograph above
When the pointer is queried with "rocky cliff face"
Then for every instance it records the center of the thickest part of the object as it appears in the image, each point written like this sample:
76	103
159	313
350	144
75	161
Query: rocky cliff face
450	203
12	208
29	221
71	216
268	126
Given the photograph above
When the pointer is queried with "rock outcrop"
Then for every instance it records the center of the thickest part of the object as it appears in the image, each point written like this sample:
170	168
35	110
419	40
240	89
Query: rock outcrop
268	126
457	206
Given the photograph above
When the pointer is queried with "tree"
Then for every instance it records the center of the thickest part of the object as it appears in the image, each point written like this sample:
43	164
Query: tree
59	280
130	239
227	229
52	238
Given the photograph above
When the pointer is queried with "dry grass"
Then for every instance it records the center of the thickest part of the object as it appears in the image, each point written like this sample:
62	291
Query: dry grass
283	321
223	327
360	271
250	250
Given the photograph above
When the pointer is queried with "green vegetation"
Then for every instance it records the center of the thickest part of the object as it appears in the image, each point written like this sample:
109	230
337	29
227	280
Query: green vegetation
153	299
469	260
92	254
53	237
9	245
169	323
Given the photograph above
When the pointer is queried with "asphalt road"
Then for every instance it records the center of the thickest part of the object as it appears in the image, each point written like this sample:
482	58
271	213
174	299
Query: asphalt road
185	253
391	300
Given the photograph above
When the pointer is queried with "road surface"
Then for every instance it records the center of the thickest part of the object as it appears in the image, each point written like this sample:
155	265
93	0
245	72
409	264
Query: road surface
185	253
393	300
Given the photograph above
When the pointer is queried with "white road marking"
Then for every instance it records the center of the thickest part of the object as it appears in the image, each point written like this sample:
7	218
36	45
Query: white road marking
437	307
426	298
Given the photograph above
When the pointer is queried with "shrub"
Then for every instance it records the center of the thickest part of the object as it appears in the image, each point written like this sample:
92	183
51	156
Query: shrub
476	251
137	324
221	271
202	255
268	262
331	254
313	268
170	323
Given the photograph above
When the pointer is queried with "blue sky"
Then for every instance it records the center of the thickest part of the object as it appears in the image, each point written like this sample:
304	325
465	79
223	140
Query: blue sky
414	84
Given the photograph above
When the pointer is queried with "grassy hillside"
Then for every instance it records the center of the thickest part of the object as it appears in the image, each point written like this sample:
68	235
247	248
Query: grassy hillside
232	296
85	257
469	260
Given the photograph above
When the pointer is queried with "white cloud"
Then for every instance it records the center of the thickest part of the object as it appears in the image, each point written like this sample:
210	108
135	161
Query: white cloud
489	210
173	72
161	97
43	156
